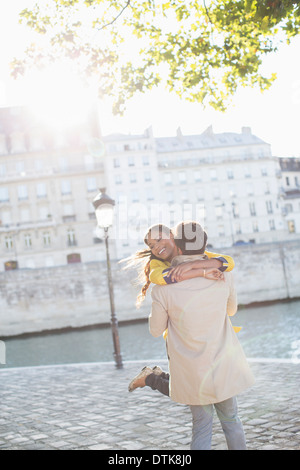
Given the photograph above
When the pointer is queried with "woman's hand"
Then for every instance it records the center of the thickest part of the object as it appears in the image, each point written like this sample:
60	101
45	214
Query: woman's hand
178	272
188	270
214	274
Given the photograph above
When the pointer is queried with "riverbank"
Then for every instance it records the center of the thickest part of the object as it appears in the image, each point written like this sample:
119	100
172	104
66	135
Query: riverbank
270	331
75	296
136	321
88	407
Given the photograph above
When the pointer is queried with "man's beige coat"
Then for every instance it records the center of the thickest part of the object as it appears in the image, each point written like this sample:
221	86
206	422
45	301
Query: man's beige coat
206	361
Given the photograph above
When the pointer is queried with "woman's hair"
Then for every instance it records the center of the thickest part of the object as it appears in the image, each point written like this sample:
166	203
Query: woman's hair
141	261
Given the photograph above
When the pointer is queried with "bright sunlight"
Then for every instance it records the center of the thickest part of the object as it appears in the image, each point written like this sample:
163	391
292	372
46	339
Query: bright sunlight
58	97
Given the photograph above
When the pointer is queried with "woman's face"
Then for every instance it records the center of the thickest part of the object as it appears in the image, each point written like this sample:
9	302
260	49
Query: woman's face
162	245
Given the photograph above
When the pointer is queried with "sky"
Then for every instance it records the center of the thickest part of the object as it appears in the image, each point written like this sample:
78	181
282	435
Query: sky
273	115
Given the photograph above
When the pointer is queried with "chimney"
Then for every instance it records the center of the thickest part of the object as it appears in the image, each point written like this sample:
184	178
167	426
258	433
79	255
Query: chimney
246	130
179	133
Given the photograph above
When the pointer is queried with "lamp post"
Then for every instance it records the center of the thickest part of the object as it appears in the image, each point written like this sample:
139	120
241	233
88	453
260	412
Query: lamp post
104	209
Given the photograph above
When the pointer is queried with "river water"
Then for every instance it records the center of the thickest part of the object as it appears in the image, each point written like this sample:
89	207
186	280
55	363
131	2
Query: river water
271	331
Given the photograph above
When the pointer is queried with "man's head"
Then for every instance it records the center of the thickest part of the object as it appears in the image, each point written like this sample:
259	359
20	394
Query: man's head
190	238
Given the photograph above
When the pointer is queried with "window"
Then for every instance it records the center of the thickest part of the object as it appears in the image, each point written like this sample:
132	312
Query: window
2	169
221	231
9	243
216	192
267	188
230	174
213	174
68	213
4	197
252	208
170	196
5	218
22	192
272	224
44	213
64	164
147	176
232	191
130	161
91	184
41	190
20	167
287	180
38	165
291	226
118	179
9	265
132	178
71	240
167	178
46	239
269	207
74	258
65	187
149	194
235	210
200	194
182	177
184	195
255	226
264	171
247	172
238	229
201	212
219	212
198	176
27	240
25	215
116	163
134	196
89	162
145	160
250	189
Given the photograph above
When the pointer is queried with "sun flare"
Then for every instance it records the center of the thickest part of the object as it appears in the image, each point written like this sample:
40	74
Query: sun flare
58	97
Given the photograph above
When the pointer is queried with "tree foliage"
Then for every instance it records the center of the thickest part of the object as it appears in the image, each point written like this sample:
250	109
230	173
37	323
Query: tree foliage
202	50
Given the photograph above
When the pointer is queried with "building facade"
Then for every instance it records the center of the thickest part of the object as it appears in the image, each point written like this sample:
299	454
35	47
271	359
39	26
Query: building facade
290	194
47	183
229	182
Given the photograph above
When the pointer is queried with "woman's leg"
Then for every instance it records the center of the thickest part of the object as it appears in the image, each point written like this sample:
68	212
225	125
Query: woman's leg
154	378
227	412
159	382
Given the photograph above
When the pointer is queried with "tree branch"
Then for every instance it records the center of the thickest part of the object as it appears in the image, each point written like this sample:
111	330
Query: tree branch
115	19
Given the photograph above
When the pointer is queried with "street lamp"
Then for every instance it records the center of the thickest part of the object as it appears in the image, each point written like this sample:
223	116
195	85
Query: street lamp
104	210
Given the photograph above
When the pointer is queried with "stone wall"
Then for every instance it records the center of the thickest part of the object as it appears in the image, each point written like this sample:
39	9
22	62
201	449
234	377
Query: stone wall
77	295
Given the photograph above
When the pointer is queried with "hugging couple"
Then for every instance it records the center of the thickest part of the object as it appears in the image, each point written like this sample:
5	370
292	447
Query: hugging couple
192	299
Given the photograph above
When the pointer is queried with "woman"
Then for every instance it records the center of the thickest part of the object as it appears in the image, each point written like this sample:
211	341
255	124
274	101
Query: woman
156	268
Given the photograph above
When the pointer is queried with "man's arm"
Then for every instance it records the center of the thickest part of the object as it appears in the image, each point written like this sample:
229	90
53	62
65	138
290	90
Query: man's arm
158	318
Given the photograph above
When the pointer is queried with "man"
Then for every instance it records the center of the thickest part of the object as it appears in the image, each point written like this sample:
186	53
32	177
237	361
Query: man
207	365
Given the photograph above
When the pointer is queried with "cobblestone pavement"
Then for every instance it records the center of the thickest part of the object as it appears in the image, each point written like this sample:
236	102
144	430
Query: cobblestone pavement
88	407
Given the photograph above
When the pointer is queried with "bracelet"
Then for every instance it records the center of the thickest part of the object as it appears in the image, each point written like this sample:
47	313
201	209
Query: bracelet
203	272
